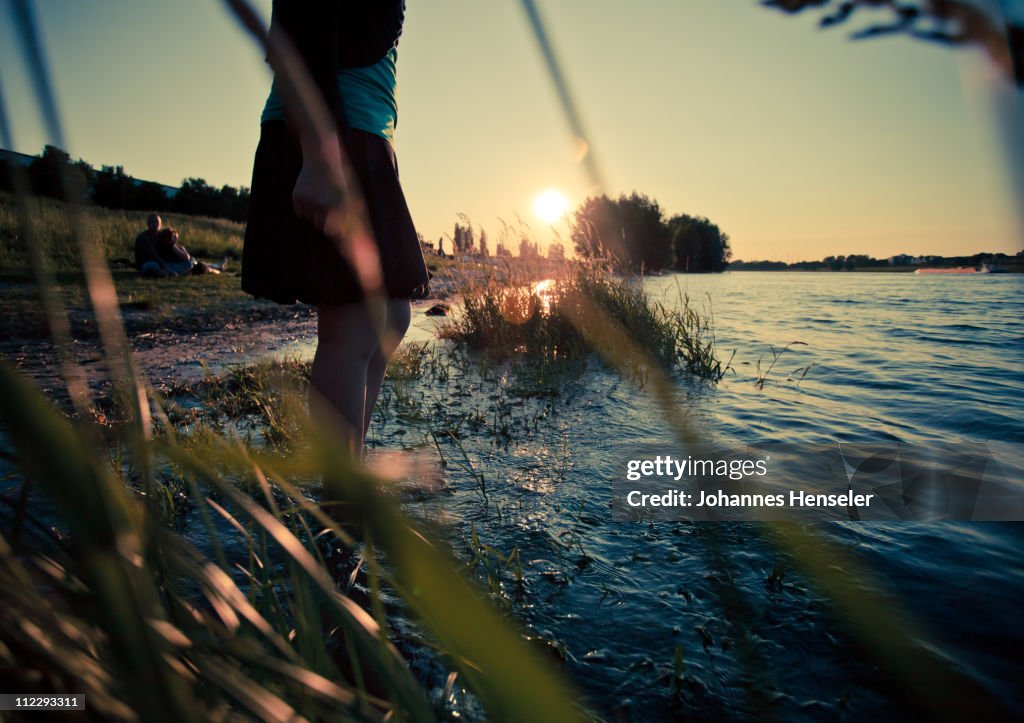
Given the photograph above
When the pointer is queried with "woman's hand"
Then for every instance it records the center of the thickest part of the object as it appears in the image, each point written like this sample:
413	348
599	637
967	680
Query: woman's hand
321	187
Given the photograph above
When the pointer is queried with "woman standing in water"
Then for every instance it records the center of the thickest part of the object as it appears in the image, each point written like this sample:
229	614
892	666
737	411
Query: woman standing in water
292	251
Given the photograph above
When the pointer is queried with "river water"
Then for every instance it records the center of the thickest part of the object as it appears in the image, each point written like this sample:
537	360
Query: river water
631	608
719	620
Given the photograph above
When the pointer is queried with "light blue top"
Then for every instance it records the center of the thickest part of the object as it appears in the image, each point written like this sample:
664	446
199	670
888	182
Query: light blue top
369	94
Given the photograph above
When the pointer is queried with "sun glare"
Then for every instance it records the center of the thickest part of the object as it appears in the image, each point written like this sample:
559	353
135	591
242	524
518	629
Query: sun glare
550	205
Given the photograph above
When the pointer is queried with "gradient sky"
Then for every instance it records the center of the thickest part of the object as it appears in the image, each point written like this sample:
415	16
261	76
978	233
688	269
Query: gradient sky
797	142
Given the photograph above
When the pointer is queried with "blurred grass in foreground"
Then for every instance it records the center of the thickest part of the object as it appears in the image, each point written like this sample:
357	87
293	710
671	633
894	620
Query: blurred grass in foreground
127	611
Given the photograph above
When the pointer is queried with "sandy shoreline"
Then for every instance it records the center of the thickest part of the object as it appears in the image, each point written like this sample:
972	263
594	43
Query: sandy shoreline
186	342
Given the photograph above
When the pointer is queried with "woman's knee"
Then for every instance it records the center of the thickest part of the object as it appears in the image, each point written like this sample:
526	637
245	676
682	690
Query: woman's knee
399	316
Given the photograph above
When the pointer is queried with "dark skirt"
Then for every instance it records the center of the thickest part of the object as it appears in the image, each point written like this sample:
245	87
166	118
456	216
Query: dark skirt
286	260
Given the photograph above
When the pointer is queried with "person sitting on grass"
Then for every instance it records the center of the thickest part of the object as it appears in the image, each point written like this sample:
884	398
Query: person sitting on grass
147	261
161	254
176	258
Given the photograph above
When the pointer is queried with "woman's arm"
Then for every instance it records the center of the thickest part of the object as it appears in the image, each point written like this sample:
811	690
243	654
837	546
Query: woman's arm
312	26
180	252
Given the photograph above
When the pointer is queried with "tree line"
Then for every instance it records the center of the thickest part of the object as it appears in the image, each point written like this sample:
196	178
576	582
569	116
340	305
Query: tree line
636	234
632	232
111	187
863	261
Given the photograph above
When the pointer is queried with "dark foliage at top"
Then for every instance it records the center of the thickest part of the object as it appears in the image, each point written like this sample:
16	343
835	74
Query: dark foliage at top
111	187
949	22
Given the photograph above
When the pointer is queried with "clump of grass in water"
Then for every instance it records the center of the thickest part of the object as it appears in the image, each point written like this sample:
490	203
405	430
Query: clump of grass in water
762	376
539	322
410	362
251	398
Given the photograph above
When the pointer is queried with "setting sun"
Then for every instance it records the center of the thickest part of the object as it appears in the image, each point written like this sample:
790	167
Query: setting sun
550	205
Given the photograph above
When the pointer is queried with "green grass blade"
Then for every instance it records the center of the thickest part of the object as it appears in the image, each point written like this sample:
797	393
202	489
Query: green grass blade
105	527
358	625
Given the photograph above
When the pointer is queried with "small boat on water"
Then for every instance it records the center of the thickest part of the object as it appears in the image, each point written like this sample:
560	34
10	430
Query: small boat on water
983	269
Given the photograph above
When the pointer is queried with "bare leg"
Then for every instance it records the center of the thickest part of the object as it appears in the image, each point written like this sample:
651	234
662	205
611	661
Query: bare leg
347	339
399	315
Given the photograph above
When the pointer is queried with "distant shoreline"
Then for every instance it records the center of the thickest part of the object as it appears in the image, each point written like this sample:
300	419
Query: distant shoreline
1016	269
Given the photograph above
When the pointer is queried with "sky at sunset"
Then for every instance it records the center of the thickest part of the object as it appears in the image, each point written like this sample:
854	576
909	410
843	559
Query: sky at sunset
797	142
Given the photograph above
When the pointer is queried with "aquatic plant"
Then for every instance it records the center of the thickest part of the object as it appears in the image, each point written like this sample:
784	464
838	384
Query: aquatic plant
762	374
546	322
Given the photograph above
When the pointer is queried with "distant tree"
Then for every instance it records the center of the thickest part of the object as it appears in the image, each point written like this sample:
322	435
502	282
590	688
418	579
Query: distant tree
48	172
556	251
196	197
594	227
45	172
862	261
758	265
700	245
484	249
233	203
228	201
86	174
462	239
631	230
112	187
501	251
528	250
835	263
6	178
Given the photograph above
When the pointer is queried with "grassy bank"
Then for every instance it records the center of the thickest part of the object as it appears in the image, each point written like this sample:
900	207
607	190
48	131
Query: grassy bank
209	238
190	304
184	305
